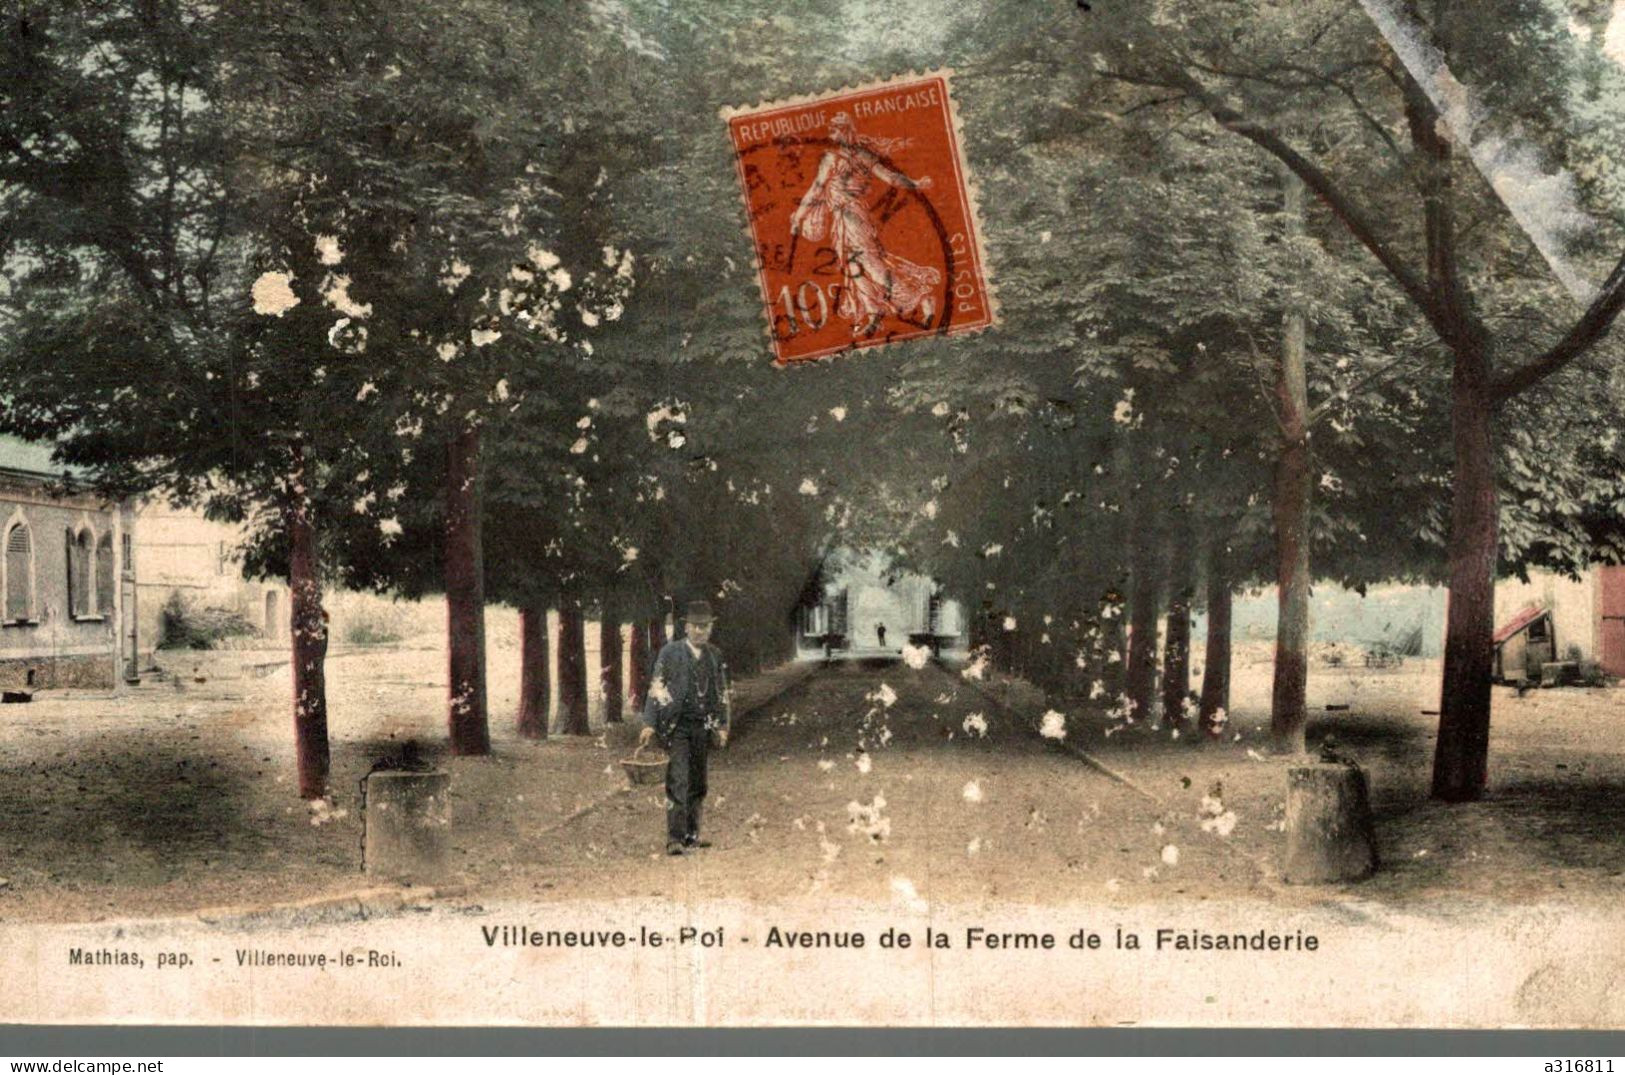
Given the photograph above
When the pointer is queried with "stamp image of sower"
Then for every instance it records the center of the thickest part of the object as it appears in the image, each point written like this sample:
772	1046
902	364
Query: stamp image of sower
862	217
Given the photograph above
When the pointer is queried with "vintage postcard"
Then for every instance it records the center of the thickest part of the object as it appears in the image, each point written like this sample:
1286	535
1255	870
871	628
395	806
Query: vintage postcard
466	558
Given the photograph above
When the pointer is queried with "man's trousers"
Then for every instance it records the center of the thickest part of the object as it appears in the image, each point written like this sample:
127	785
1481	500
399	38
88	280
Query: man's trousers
685	780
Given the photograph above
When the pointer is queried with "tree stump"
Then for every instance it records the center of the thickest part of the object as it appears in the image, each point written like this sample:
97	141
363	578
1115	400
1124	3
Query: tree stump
406	824
1329	835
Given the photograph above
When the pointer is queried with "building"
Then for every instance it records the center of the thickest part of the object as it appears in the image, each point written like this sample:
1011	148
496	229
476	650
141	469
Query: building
1525	644
1587	615
67	582
1584	617
867	595
183	554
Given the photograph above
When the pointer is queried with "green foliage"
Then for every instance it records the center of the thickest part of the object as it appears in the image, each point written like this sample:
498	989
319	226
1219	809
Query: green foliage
1591	674
183	624
426	186
370	630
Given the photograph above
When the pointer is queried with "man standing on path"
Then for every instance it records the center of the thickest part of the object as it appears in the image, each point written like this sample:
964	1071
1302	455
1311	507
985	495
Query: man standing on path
687	703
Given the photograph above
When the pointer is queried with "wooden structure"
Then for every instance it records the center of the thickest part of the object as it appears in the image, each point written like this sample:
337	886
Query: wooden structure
1587	611
1610	606
1525	643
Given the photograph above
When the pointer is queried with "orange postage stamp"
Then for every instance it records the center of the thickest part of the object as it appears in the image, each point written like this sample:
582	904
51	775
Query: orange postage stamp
862	216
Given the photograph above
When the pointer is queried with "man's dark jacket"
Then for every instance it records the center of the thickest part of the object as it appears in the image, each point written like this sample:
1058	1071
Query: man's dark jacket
669	684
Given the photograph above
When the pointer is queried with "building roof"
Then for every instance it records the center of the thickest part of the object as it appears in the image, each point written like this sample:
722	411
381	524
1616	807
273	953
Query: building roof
1529	614
33	458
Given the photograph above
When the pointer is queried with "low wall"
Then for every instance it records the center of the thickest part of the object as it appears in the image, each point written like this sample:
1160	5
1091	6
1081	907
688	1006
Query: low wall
93	670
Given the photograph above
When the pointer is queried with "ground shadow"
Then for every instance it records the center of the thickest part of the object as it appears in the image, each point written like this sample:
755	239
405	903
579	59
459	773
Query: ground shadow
129	787
1369	736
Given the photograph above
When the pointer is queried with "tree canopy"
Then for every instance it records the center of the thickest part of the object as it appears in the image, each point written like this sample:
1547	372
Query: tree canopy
362	270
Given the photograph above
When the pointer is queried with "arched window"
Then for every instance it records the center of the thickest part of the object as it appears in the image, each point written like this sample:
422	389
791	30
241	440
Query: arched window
19	574
104	575
81	552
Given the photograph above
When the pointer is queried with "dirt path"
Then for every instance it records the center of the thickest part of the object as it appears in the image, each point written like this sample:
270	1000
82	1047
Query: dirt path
869	782
866	782
885	782
1550	827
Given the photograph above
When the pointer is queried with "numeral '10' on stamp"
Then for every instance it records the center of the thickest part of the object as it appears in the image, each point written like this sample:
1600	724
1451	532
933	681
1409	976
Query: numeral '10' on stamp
864	231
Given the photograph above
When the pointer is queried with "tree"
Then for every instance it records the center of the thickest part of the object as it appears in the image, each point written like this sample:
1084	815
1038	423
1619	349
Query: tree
129	270
1237	74
1214	704
535	687
432	164
379	181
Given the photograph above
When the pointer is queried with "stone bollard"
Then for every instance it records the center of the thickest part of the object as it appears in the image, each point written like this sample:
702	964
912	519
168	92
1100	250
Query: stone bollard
1329	835
405	824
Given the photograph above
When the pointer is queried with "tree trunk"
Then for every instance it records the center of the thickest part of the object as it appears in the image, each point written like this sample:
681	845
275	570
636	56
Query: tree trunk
609	661
1141	682
1112	663
1288	697
308	632
1216	662
1116	602
1004	644
1060	638
464	575
1024	652
657	634
572	669
1176	655
535	677
1461	757
641	661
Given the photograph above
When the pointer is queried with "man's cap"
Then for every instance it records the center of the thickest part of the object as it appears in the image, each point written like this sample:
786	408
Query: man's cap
699	612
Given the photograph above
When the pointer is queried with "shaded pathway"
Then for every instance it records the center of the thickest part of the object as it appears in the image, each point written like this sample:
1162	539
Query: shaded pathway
883	782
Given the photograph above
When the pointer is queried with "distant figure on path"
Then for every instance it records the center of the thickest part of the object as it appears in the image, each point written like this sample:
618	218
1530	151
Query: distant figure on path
880	633
687	703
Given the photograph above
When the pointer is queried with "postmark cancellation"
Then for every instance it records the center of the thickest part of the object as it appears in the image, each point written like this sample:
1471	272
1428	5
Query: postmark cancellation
862	216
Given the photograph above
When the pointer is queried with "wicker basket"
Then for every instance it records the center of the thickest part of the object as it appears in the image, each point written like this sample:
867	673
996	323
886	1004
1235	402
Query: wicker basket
644	770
